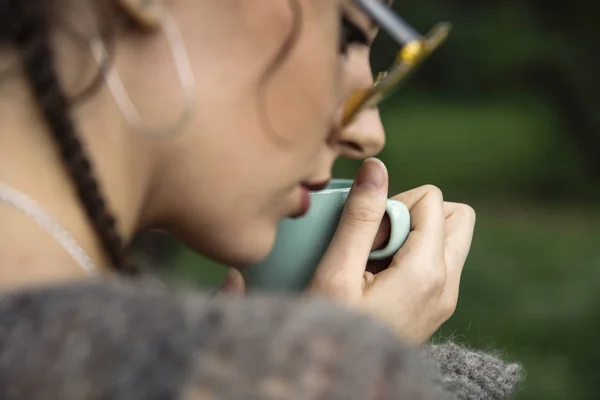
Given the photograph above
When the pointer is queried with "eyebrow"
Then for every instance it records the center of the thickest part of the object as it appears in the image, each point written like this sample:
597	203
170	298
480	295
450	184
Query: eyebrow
384	17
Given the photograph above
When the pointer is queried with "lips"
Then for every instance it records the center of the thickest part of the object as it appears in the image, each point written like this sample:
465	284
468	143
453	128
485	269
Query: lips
315	186
305	189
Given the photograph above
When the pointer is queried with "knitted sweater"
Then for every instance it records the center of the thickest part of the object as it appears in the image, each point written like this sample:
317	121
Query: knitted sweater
121	341
469	374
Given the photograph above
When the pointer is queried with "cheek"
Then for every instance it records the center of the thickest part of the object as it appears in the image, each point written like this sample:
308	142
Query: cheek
256	121
301	96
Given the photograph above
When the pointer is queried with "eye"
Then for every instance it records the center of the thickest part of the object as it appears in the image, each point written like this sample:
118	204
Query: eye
351	35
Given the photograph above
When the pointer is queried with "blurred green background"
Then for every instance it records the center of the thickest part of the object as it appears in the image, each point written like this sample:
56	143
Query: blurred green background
503	117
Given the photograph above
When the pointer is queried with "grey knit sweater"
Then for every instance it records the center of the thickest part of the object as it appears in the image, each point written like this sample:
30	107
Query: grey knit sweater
121	341
468	374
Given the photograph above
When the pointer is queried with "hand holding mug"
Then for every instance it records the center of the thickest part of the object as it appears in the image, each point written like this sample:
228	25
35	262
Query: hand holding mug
419	289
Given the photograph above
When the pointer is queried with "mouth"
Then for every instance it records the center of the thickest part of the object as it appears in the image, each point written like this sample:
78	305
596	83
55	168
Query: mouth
305	189
316	186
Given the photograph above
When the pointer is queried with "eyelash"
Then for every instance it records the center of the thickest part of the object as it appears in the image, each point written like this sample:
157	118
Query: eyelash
351	35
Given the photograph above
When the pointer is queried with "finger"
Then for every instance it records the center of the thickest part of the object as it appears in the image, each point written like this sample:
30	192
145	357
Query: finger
361	218
234	282
460	224
427	219
368	280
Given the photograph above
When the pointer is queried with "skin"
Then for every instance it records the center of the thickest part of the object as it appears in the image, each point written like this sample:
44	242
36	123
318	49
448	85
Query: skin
189	185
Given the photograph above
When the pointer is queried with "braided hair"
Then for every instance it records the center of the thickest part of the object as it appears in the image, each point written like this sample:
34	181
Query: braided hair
25	24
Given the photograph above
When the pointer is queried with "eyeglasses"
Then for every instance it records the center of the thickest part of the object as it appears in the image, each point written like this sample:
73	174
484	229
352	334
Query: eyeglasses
414	49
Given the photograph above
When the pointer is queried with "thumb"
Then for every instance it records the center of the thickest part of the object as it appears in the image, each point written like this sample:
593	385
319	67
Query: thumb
349	250
234	282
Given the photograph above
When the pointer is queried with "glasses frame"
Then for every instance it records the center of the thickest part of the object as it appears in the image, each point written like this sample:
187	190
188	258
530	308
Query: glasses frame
414	48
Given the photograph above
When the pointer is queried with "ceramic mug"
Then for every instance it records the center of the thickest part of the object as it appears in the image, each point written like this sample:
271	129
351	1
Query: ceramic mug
301	242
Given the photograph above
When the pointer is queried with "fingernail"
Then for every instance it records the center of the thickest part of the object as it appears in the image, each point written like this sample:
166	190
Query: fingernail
371	175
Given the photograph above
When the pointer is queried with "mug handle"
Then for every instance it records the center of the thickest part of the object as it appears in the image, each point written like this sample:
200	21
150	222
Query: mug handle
399	229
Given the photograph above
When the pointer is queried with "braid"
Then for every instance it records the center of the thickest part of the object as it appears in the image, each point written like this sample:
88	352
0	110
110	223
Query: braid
28	29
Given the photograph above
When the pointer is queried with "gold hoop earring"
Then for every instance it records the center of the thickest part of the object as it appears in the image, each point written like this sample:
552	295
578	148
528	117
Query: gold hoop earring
184	71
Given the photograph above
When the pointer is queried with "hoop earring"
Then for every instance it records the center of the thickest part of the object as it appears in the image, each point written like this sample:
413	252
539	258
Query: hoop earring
184	72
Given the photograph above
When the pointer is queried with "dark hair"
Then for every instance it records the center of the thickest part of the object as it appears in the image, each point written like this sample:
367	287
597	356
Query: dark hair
26	25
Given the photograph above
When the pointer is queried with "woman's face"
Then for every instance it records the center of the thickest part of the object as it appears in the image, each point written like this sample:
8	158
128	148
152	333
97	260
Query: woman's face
267	127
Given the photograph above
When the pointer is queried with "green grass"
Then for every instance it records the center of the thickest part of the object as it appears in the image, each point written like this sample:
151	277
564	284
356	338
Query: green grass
530	289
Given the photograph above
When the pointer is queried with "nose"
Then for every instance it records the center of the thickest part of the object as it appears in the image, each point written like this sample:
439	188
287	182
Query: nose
364	137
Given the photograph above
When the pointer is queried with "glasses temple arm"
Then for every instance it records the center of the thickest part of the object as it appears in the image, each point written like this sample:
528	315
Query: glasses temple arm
392	23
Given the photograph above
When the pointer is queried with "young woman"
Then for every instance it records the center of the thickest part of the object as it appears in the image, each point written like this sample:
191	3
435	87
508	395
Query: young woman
211	120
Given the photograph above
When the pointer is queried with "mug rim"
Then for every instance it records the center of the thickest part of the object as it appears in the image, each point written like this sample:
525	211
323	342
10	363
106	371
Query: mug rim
336	185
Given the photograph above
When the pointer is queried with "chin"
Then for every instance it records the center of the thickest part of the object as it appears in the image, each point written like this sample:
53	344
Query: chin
247	247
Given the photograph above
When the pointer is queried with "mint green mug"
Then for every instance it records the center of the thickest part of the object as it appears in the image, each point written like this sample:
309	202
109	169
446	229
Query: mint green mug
301	243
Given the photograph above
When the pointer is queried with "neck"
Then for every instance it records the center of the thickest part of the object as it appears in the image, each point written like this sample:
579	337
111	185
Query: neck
30	162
